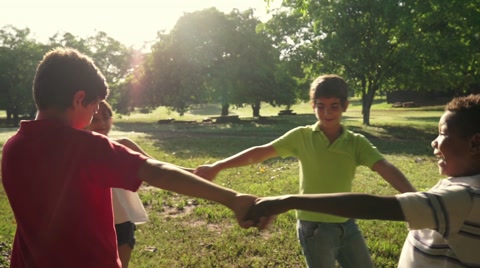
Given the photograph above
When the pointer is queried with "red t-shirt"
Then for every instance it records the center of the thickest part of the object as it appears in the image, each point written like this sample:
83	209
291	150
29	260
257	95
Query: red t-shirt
58	181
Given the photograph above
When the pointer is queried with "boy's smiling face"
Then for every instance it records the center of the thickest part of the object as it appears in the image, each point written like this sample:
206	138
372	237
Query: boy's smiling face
453	150
329	111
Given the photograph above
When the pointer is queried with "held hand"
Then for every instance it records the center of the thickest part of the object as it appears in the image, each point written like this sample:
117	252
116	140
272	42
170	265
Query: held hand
207	172
243	205
268	207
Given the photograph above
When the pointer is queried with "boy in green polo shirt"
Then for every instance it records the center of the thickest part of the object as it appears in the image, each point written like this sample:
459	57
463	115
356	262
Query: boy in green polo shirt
328	155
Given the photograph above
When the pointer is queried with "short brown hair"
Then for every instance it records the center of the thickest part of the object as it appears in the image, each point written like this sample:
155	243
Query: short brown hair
62	73
466	118
329	86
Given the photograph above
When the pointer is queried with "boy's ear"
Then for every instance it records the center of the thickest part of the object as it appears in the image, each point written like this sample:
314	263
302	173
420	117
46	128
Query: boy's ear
78	98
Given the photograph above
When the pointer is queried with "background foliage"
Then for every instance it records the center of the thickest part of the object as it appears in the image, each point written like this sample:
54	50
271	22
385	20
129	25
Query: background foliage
235	60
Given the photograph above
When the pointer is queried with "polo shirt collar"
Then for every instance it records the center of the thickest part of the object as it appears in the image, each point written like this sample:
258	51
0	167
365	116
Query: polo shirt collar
343	137
316	127
32	126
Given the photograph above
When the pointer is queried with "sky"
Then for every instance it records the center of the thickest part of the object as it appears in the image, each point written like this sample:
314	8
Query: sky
132	22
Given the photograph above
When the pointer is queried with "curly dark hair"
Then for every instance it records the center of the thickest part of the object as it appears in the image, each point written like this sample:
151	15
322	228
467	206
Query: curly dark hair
466	110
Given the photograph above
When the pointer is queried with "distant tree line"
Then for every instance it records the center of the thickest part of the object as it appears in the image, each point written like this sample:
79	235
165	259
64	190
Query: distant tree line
384	45
235	60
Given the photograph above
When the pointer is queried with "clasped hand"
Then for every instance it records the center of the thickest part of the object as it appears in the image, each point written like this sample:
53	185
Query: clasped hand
265	209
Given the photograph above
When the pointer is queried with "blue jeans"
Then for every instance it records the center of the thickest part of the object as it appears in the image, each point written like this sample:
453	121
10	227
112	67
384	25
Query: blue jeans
324	243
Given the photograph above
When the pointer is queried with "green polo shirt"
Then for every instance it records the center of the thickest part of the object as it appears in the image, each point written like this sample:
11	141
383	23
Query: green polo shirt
325	167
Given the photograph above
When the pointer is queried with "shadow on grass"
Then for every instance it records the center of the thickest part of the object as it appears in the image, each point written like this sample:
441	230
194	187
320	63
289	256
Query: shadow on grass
394	132
222	140
399	139
431	119
204	140
210	140
6	129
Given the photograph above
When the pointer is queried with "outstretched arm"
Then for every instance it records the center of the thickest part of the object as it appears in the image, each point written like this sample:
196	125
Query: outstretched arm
170	177
135	147
349	205
249	156
394	176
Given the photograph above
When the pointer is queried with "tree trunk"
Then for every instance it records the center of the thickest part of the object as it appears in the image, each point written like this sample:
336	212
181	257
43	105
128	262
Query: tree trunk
16	118
9	114
367	101
366	117
16	115
256	109
225	107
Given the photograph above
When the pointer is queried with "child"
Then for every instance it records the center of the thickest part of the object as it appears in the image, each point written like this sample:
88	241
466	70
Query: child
328	154
128	209
444	221
58	177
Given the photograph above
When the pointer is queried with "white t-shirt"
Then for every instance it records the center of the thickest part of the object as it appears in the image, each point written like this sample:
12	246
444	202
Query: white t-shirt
127	206
444	225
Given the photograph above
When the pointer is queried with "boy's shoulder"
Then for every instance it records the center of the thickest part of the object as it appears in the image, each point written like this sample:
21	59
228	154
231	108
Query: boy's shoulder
346	133
351	132
53	131
470	181
305	128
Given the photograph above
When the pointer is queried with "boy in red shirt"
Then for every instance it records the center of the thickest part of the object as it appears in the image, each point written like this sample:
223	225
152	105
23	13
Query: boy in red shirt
58	177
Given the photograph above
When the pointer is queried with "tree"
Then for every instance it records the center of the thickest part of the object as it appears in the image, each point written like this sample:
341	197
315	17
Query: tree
253	62
69	40
446	49
19	55
380	45
114	59
111	56
361	40
212	57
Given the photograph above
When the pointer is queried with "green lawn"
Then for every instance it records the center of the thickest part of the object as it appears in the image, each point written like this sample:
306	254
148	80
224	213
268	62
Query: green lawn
188	232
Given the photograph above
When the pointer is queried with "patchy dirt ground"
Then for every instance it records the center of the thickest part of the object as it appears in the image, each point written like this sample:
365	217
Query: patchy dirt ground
5	251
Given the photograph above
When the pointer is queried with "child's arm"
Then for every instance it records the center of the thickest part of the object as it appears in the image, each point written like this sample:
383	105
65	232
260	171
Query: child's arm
135	147
349	205
249	156
394	176
132	145
170	177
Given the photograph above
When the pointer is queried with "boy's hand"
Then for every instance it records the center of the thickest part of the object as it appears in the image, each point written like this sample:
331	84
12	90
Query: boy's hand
207	172
268	207
242	207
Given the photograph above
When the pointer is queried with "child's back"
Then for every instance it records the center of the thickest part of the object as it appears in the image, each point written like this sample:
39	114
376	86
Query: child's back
50	173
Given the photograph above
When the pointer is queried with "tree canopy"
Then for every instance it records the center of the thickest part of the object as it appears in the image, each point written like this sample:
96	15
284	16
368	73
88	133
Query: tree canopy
214	57
235	60
384	45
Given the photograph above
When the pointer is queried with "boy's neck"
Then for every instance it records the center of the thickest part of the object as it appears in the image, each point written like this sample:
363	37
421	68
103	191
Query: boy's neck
53	114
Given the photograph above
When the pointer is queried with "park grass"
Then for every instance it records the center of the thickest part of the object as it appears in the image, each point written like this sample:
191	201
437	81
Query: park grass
190	232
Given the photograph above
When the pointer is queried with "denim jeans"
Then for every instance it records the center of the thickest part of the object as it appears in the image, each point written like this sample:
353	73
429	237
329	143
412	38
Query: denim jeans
324	243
